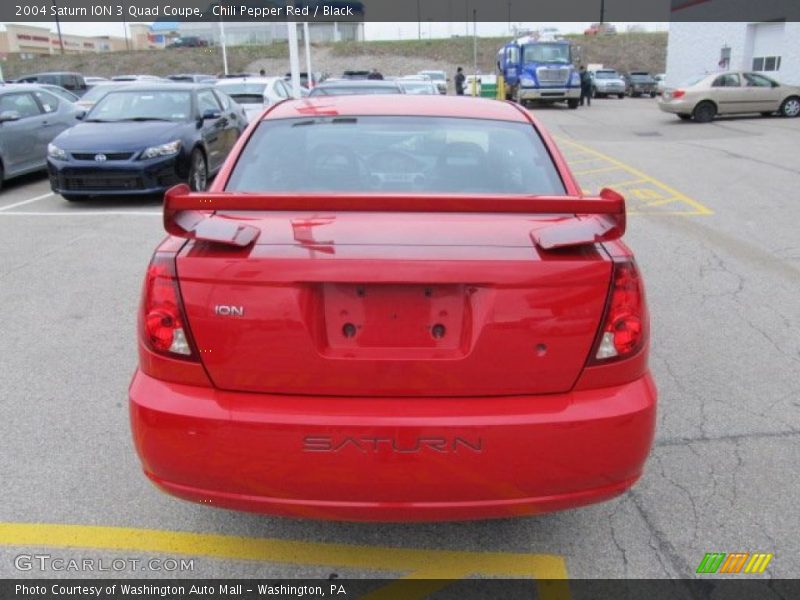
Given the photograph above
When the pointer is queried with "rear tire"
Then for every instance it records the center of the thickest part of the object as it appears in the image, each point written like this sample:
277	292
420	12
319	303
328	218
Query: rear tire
573	102
684	117
2	175
652	94
704	112
73	198
791	107
620	96
198	171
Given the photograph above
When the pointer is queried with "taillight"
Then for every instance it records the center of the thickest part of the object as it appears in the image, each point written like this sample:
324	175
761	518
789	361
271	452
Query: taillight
626	323
162	321
678	94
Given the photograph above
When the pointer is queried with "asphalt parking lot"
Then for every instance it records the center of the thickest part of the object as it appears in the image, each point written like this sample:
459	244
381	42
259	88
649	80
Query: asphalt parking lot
714	212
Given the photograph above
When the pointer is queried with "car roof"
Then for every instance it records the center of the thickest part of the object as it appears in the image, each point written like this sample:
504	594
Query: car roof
155	86
356	83
401	105
258	79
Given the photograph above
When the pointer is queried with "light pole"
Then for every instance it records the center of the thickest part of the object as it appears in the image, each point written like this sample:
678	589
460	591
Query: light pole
602	11
58	27
419	22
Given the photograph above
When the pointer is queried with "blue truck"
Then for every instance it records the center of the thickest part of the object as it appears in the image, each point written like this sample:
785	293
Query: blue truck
539	71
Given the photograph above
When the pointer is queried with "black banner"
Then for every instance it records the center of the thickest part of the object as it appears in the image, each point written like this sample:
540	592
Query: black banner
742	588
398	10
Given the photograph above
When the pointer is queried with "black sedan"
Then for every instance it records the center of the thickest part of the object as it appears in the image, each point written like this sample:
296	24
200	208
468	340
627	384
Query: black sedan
144	138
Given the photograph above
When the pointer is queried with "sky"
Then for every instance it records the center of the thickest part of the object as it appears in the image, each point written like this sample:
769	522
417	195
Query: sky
388	31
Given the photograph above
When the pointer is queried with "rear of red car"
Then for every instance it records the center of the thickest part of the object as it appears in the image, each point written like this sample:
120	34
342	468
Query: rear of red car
393	311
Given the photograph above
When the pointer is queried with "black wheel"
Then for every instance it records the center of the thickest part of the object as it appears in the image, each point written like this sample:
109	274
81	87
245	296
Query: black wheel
652	94
620	96
594	93
704	112
72	198
573	102
791	107
684	117
198	171
2	175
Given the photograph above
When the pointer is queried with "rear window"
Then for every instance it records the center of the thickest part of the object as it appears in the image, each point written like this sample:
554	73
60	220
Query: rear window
244	93
395	154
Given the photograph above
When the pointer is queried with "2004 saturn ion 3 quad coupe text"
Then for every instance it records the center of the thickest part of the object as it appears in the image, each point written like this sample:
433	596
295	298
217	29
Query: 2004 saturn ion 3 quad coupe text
394	308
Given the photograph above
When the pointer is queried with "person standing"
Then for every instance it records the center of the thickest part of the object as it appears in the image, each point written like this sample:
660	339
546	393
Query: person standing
459	81
586	86
375	74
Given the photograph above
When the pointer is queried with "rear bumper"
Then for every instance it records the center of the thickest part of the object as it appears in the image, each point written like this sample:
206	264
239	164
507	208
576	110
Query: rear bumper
392	459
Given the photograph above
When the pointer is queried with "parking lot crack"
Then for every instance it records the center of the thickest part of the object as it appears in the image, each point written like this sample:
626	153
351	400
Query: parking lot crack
663	548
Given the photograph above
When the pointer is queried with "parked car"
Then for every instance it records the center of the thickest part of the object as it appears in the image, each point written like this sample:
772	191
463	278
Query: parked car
418	86
467	339
255	94
600	29
356	87
90	98
735	92
74	82
189	41
660	83
638	83
192	78
607	82
30	117
142	139
438	77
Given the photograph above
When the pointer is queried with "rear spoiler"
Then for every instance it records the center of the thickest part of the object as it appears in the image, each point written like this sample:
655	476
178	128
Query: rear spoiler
588	220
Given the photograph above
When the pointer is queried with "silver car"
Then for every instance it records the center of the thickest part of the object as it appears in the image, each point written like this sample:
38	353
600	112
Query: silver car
607	82
30	117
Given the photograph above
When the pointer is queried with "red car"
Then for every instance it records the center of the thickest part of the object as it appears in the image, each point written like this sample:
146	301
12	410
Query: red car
393	308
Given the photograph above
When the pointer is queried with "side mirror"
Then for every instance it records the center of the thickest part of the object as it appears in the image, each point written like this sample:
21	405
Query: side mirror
80	115
211	114
9	115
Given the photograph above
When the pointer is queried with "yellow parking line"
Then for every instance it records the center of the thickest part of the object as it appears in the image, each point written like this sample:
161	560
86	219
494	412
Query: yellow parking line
699	209
415	563
600	170
583	160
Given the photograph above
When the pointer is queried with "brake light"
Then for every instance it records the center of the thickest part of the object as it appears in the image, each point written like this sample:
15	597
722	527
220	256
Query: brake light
626	323
162	321
678	94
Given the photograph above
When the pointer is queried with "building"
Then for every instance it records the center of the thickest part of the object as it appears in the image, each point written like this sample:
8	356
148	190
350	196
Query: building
769	47
30	41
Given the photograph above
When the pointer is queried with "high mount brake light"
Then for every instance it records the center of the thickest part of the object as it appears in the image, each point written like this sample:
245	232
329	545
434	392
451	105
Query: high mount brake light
626	325
162	321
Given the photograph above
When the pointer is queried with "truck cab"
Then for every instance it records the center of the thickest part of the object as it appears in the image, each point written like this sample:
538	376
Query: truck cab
539	71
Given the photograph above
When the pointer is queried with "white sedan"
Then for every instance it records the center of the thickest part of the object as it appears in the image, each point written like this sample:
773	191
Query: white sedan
255	94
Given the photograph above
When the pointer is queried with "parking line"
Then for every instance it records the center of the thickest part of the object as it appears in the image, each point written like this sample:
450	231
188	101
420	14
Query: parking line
600	170
415	563
28	201
668	191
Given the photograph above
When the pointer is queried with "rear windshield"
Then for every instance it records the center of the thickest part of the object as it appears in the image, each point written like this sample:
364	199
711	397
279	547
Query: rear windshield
244	93
395	154
606	75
